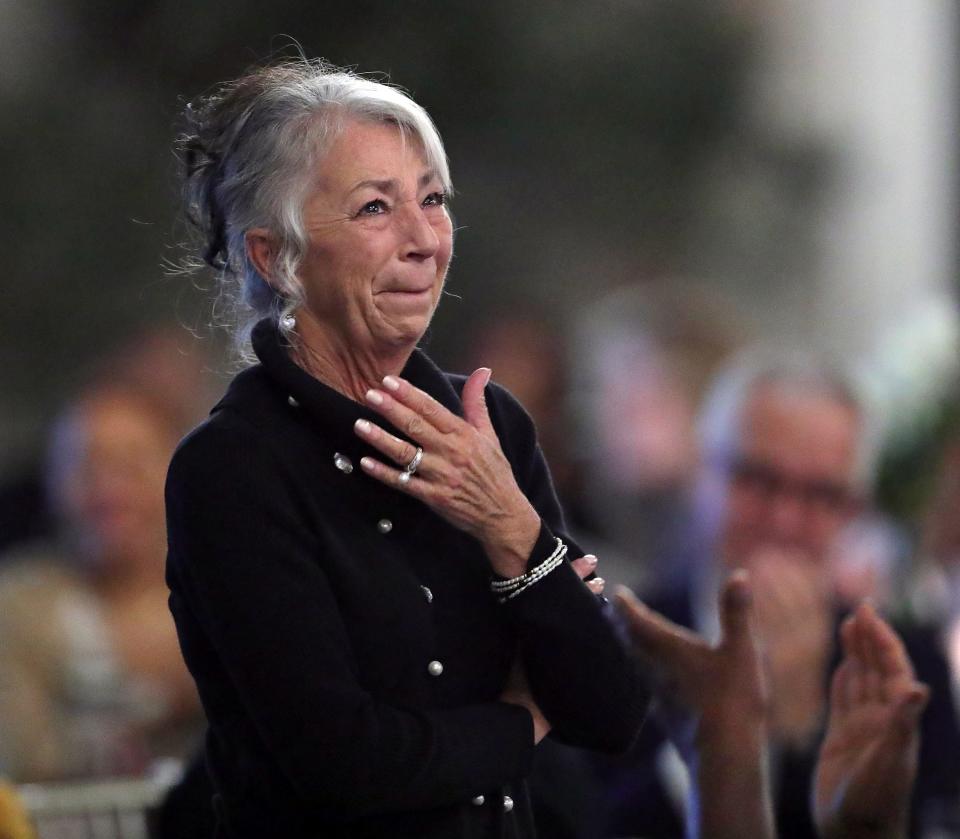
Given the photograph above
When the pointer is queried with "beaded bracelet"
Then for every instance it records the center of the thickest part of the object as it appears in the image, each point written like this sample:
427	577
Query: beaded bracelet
508	589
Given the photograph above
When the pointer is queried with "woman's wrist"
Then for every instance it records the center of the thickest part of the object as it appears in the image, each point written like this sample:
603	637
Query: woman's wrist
509	548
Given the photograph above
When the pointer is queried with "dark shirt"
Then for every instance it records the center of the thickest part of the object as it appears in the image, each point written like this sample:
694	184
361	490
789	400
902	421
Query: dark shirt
346	646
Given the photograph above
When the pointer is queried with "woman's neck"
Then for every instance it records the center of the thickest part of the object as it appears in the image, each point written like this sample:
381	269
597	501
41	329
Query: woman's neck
346	370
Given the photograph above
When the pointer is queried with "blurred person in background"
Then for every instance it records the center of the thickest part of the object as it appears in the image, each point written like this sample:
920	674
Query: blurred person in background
91	679
869	561
867	762
935	590
160	360
529	357
643	357
786	465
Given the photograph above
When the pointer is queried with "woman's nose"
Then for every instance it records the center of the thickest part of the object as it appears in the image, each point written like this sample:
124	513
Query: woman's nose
422	241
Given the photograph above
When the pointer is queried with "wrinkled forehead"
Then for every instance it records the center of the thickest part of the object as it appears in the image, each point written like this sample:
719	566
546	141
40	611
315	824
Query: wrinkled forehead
330	127
371	150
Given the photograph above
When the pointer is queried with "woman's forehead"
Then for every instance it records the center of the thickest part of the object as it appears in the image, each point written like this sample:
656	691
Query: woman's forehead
376	152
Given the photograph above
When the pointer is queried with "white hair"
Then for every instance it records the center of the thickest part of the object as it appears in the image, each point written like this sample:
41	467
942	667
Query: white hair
248	156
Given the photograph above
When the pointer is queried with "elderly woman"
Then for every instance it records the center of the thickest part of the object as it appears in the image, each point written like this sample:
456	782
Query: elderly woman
367	562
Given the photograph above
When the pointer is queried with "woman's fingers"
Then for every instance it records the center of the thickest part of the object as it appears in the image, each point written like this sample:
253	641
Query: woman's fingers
404	419
585	566
419	403
474	401
399	451
410	483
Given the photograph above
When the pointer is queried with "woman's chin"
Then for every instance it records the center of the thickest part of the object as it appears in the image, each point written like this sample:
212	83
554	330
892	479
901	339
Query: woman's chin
406	328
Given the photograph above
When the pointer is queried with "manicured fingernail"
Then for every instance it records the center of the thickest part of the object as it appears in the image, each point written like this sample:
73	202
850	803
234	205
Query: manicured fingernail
591	559
489	373
368	463
391	383
375	397
599	582
362	426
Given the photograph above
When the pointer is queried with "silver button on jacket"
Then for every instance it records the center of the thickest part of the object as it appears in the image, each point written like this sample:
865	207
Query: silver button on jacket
435	668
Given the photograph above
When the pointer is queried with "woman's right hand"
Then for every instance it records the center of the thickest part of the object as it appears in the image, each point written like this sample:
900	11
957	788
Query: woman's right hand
463	474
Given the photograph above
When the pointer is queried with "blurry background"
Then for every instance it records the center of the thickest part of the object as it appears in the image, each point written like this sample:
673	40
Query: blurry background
643	188
794	161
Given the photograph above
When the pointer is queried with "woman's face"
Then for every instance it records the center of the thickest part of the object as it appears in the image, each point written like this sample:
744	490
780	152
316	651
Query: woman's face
380	239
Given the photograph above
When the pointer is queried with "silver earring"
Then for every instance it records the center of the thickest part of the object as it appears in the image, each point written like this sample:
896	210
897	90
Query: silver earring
288	322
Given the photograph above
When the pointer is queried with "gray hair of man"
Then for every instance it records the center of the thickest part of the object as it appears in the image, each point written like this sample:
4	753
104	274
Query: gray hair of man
719	426
248	154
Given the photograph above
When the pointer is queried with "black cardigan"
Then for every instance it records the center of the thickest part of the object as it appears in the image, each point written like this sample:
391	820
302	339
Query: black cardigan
343	638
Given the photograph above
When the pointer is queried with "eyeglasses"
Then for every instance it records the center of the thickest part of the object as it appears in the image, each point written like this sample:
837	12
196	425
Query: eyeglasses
769	482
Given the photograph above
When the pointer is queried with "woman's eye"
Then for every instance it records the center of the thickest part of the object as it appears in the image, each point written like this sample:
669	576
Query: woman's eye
373	208
435	199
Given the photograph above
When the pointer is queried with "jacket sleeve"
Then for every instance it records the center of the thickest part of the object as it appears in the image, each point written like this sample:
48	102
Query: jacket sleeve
581	673
244	575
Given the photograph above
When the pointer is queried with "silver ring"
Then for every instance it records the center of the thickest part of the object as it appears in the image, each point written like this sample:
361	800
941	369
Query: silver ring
404	477
415	461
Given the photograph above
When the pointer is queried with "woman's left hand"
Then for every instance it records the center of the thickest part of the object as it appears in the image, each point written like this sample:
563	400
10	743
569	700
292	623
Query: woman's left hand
463	475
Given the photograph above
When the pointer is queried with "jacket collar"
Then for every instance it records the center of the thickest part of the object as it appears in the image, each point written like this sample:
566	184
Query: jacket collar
333	413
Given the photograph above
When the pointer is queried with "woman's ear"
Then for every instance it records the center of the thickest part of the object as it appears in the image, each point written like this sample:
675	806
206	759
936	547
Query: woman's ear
262	251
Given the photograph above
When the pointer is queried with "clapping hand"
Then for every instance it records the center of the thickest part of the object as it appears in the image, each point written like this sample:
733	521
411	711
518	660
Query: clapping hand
723	689
868	760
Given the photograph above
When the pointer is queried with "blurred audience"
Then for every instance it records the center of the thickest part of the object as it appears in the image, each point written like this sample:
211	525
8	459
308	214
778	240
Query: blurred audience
869	561
92	682
867	763
644	355
615	416
162	361
936	587
528	356
785	468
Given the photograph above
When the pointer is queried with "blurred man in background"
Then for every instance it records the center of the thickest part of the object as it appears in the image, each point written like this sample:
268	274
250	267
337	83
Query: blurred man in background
786	465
